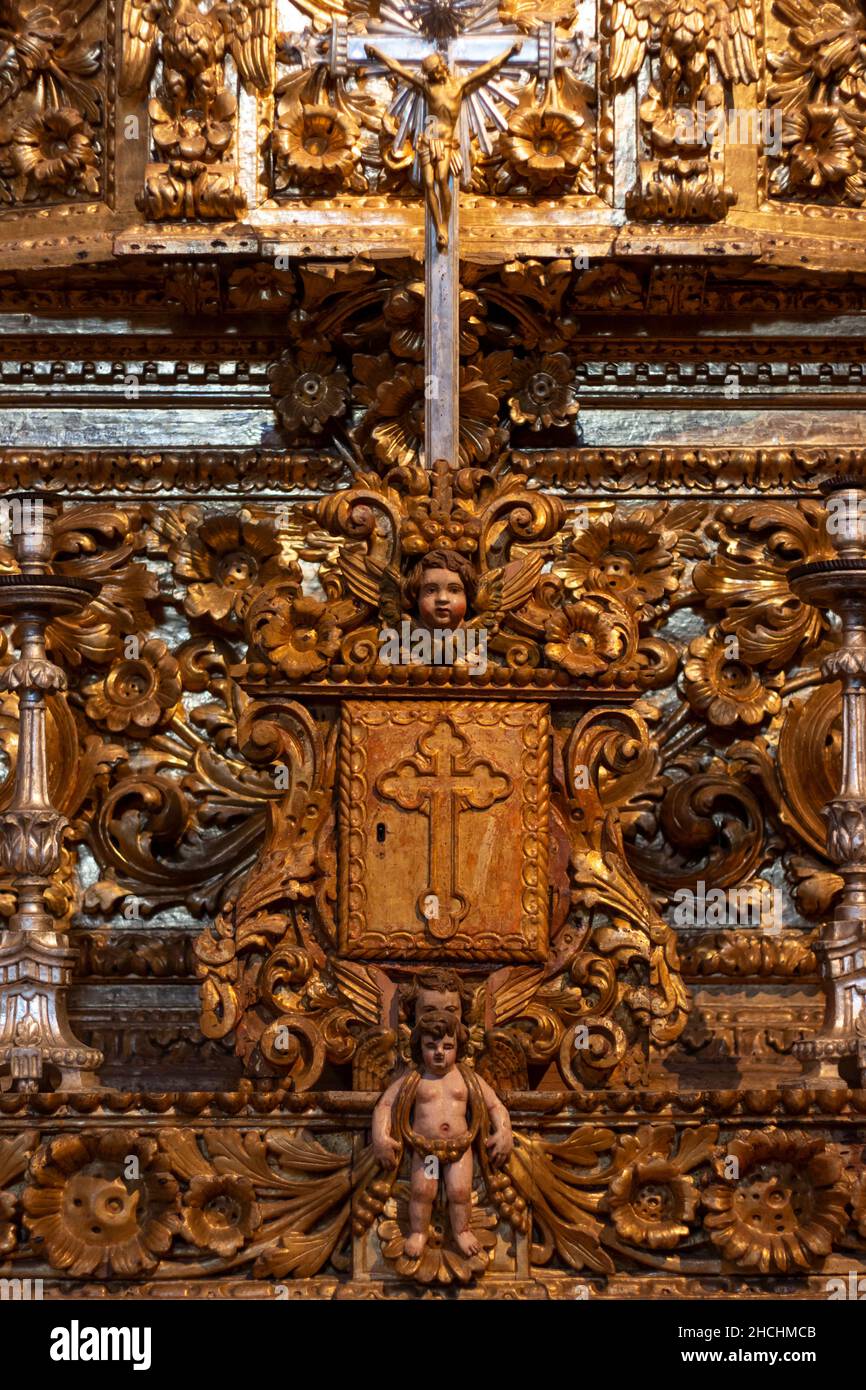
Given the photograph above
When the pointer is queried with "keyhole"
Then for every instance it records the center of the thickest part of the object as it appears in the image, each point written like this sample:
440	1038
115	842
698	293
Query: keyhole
380	833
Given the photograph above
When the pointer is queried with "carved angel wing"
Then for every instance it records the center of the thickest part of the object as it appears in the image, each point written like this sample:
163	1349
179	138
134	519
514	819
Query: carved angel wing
140	31
251	35
358	986
507	588
518	990
377	585
733	40
631	26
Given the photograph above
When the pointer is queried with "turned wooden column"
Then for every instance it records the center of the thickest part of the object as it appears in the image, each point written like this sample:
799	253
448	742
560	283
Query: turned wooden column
37	1046
838	1051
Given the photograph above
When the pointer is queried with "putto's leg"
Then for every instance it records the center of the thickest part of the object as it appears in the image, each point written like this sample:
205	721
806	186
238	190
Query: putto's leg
458	1185
422	1192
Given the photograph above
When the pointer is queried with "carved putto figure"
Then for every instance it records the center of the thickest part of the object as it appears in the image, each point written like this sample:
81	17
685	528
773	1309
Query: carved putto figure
440	1110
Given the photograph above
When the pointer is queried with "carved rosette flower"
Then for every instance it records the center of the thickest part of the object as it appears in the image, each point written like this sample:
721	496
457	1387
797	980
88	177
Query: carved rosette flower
396	415
440	1262
819	141
581	639
314	146
544	391
546	146
220	1212
225	560
403	316
786	1207
88	1216
652	1203
651	1199
139	693
260	287
300	636
309	389
628	556
55	149
727	692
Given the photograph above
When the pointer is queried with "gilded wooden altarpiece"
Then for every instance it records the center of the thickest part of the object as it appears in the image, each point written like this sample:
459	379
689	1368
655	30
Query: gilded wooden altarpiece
234	837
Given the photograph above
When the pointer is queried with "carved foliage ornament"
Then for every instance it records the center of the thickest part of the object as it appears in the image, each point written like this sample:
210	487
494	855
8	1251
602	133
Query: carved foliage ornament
277	1202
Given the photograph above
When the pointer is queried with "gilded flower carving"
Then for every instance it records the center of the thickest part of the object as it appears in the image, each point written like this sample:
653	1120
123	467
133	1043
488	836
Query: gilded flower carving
225	560
220	1212
582	639
314	146
45	50
544	391
651	1198
88	1216
309	389
785	1208
819	84
546	146
139	693
260	286
820	143
301	636
631	556
403	316
396	400
56	149
726	691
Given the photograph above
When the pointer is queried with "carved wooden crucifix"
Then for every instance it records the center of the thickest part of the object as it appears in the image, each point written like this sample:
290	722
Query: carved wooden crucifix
438	110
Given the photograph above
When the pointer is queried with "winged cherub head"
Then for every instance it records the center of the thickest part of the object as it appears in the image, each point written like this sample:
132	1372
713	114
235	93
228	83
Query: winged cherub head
440	588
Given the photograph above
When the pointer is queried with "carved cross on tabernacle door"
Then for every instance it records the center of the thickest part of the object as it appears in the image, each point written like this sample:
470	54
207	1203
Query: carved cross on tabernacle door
439	782
443	834
475	48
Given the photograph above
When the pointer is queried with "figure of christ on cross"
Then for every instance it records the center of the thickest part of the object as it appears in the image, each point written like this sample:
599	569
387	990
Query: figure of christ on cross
438	782
439	144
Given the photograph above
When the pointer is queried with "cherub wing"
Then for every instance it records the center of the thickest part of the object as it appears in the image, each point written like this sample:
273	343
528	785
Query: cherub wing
140	32
252	24
733	39
516	992
631	27
358	986
508	587
374	584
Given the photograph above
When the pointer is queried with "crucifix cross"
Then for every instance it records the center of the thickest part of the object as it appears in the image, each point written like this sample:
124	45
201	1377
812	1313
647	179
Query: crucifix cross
438	108
438	782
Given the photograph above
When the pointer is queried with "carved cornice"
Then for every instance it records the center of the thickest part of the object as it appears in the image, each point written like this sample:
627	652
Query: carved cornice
622	469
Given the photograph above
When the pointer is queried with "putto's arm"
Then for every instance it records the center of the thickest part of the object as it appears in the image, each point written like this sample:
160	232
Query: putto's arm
413	78
486	71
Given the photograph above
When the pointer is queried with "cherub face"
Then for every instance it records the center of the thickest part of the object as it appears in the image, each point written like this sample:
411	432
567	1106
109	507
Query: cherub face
441	599
437	1001
439	1054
